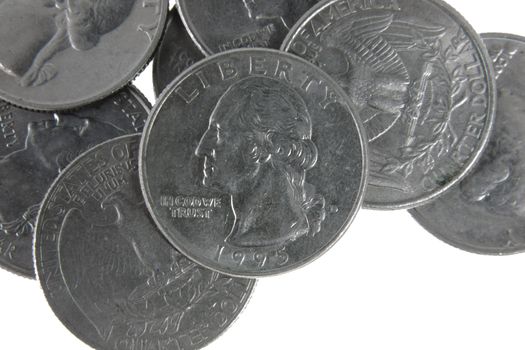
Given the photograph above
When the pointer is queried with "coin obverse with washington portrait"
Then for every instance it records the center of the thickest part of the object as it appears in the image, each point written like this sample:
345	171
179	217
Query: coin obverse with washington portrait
62	54
423	85
253	162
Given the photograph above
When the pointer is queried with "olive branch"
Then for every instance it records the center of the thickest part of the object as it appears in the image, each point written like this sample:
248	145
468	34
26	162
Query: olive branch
187	298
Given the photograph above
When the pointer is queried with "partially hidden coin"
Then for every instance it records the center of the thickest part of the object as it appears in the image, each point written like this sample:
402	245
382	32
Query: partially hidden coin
110	276
176	52
61	55
485	214
423	85
221	25
253	163
36	147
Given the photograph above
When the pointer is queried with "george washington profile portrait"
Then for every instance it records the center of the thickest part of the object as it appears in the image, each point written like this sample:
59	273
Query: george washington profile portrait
32	32
258	149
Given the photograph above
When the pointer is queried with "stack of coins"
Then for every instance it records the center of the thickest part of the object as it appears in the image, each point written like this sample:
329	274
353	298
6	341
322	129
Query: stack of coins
276	122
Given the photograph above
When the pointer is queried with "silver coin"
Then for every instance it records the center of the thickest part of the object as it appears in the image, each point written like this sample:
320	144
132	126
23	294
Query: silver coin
253	163
485	214
176	53
221	25
107	272
422	82
60	55
36	147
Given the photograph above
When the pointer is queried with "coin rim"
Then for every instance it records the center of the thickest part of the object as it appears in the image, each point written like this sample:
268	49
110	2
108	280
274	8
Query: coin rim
361	190
486	62
426	224
157	65
38	258
191	30
126	80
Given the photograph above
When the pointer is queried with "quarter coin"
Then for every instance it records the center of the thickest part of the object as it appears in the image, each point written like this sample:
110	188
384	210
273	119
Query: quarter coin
176	53
61	55
422	82
485	214
110	276
221	25
253	163
36	147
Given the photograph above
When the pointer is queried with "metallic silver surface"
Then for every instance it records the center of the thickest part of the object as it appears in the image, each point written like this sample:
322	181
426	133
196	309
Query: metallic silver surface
60	55
36	147
486	213
107	272
176	52
253	163
221	25
422	82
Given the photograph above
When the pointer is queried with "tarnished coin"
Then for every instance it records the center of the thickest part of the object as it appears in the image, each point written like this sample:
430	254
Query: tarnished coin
253	163
486	213
110	276
60	55
221	25
36	147
176	52
422	82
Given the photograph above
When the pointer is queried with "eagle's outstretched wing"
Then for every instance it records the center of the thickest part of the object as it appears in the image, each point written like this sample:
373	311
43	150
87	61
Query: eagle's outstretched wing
363	39
376	38
405	36
373	41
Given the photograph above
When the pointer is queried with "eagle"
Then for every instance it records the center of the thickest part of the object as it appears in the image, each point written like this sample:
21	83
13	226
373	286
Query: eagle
363	55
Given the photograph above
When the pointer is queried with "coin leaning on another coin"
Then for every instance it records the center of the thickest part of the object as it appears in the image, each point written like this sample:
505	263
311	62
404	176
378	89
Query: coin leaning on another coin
484	214
37	147
423	85
107	272
253	163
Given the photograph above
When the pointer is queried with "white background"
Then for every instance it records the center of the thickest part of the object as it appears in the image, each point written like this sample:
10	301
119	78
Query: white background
386	285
